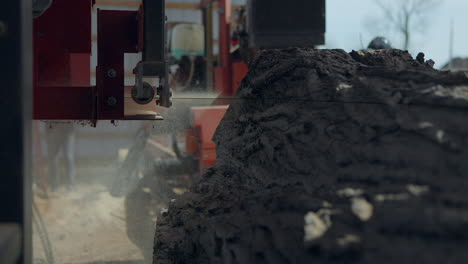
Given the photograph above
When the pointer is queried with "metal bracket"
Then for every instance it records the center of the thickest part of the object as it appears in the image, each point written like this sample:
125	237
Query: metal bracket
152	43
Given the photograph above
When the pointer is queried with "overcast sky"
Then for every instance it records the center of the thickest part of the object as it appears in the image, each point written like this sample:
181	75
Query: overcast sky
347	20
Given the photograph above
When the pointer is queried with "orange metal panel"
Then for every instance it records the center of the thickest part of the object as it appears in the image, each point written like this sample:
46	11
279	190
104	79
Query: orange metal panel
191	141
207	120
239	71
208	159
219	81
199	138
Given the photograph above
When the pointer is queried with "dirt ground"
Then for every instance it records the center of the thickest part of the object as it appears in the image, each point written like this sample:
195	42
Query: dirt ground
85	226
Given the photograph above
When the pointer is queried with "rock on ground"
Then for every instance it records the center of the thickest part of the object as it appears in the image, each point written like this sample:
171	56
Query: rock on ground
332	157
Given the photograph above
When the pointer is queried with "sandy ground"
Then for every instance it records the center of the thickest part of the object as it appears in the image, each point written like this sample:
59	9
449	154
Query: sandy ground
85	226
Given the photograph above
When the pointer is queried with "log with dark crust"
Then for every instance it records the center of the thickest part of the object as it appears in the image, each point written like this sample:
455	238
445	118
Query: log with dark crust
332	157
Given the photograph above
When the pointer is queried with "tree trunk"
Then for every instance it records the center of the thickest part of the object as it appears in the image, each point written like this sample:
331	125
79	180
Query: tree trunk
407	31
331	157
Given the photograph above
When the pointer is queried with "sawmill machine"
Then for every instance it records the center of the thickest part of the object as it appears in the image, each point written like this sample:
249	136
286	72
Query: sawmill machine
260	24
62	51
62	48
45	73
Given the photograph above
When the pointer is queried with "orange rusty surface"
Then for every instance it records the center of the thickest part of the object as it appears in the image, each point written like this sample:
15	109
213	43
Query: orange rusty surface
199	142
208	159
219	82
206	120
191	141
239	71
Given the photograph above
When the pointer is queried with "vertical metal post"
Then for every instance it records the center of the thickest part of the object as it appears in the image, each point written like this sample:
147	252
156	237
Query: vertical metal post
154	62
225	10
16	108
154	32
208	22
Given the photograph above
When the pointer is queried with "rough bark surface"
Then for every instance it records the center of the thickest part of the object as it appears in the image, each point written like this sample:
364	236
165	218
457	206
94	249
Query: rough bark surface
332	157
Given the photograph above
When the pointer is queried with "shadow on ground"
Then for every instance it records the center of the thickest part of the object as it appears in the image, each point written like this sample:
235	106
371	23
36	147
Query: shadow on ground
117	262
41	261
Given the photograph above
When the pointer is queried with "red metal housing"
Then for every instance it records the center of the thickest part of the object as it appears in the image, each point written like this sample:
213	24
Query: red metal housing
62	50
205	120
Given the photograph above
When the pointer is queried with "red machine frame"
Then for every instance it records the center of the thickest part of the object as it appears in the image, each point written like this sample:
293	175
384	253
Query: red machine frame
62	51
205	120
62	75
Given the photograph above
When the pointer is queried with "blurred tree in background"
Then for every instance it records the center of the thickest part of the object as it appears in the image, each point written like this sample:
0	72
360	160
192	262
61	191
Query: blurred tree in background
406	17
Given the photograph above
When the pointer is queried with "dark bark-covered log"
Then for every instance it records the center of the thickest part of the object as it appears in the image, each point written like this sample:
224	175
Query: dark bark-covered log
332	157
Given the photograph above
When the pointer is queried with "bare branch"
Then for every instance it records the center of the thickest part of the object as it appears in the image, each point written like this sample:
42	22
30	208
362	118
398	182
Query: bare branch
407	16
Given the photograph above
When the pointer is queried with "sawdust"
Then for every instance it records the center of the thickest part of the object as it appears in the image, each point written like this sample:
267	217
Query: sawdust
85	226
